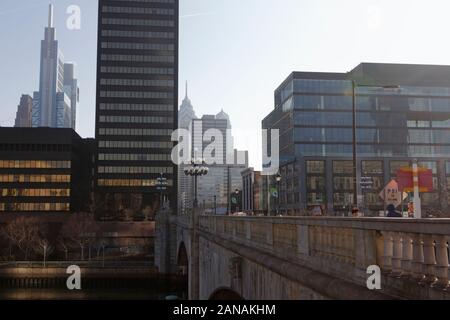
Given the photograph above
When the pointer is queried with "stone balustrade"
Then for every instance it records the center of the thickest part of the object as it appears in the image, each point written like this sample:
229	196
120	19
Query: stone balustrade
412	254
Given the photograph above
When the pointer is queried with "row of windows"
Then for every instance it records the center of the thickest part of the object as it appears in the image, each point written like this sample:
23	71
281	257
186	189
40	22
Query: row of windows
380	150
130	183
137	58
139	22
128	119
35	192
134	132
35	147
35	178
136	94
137	82
147	1
136	107
138	70
364	119
135	170
155	11
369	167
136	144
133	157
318	102
34	164
137	46
11	207
138	34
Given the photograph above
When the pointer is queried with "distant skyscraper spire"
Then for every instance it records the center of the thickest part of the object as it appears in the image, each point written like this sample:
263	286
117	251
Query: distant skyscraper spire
186	89
50	15
54	105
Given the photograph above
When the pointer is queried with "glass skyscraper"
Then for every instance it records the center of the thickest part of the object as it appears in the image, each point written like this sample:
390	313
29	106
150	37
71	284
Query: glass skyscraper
137	98
55	104
403	113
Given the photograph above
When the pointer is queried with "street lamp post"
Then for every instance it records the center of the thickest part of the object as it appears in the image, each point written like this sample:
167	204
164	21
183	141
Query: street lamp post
236	192
197	169
215	205
278	179
354	133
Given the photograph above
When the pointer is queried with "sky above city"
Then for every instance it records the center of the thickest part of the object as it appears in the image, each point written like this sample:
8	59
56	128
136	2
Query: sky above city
234	53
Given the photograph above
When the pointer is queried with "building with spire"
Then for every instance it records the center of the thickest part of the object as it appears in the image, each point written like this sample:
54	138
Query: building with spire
55	104
186	113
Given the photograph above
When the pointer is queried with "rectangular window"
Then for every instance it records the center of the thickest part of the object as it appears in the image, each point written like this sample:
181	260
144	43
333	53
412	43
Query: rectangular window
343	167
315	167
395	166
372	167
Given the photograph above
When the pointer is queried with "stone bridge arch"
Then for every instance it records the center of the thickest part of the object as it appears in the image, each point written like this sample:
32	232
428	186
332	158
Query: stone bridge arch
225	294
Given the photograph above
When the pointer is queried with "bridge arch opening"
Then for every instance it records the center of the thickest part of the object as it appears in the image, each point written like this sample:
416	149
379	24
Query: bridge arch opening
183	260
226	294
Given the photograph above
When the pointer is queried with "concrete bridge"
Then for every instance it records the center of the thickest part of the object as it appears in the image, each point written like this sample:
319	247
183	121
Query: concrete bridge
303	258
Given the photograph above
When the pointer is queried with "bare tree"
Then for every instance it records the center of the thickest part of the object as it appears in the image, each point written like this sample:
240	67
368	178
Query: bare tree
80	228
63	245
11	233
44	248
23	233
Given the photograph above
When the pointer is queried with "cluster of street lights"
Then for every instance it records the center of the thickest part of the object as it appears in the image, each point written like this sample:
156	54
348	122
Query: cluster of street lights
196	169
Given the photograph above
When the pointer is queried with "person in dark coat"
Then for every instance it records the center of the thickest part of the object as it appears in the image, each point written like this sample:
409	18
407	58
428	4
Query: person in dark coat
392	213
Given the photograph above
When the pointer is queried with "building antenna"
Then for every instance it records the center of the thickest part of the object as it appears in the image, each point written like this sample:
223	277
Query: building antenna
50	16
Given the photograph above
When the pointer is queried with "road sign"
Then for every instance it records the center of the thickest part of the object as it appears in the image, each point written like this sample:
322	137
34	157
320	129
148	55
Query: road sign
392	195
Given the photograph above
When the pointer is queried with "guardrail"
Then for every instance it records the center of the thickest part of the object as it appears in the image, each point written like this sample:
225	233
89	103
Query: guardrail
412	254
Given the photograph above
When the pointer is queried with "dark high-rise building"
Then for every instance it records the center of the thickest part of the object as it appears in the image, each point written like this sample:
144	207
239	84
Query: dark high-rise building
44	171
402	114
23	115
137	99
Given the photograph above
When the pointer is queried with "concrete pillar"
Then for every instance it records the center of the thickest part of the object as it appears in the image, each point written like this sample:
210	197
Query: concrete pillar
194	279
429	260
397	254
417	259
388	251
441	268
406	261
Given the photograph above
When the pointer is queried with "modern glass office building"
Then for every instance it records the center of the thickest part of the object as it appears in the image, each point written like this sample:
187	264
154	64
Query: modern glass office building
402	114
137	98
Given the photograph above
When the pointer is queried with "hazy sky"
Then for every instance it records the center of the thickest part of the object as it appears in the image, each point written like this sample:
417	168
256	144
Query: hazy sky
234	53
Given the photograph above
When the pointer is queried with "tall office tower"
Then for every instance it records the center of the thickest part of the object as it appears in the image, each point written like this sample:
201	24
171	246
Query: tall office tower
137	104
52	104
185	186
71	89
224	177
23	115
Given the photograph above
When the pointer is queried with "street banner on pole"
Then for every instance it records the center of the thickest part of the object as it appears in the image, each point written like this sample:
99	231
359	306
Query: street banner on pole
391	194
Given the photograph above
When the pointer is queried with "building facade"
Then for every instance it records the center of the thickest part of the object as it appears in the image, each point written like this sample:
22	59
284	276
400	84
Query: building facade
44	170
137	99
23	115
185	184
252	192
58	94
402	114
216	189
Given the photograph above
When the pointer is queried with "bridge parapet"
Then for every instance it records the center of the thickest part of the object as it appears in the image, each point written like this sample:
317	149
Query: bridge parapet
412	254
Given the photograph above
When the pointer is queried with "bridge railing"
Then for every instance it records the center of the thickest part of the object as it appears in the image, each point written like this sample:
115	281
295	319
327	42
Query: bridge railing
404	249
